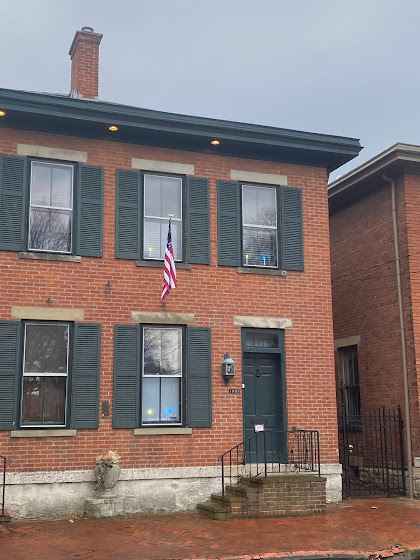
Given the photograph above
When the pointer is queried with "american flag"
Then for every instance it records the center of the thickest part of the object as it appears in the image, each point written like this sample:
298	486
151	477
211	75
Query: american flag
169	272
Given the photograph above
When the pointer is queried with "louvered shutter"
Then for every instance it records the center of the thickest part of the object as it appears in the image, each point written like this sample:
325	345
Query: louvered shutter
10	373
13	197
198	208
90	211
129	215
199	377
126	407
291	229
229	223
86	375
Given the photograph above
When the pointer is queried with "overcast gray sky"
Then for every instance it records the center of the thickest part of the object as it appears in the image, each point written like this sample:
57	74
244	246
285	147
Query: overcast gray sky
345	67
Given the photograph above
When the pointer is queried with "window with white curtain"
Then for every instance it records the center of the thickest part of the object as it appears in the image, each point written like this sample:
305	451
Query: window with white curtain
162	198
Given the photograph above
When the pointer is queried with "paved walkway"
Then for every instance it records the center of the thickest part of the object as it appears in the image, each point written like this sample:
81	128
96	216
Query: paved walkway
367	526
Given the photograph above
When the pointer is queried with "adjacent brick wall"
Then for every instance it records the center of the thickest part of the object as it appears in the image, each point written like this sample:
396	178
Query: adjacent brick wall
215	294
365	298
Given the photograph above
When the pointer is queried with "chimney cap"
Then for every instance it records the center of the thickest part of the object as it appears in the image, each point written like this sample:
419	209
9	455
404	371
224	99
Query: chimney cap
84	34
87	29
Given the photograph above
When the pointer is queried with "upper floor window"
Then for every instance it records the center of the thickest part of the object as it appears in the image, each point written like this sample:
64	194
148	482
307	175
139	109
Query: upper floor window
51	207
259	226
162	199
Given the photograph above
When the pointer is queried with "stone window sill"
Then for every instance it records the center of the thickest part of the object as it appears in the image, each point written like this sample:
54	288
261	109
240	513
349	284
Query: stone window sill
49	257
162	431
36	433
160	264
263	271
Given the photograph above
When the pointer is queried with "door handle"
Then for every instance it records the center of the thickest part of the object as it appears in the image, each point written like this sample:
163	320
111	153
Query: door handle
257	372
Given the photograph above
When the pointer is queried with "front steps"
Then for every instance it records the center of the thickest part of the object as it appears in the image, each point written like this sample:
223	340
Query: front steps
278	495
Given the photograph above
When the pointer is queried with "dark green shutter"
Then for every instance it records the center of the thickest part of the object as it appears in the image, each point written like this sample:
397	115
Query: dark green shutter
13	189
129	215
90	211
291	229
198	208
229	223
10	373
126	377
86	375
199	377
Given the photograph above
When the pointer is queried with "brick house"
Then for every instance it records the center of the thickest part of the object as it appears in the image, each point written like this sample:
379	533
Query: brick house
375	245
91	360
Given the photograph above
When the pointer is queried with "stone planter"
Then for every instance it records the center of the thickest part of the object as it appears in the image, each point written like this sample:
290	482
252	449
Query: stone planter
107	475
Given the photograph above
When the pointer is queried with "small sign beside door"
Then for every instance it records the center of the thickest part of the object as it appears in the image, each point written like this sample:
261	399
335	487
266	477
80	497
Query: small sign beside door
234	391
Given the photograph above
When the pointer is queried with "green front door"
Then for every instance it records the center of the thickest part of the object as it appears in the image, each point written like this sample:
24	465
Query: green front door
263	403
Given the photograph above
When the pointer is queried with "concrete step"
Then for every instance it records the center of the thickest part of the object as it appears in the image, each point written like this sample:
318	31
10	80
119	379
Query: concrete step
214	510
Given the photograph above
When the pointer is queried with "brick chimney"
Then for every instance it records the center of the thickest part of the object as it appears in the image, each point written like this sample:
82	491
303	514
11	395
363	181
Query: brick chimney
84	54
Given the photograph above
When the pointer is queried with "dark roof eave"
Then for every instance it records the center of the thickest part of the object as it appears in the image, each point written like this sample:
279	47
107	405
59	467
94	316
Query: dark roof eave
332	151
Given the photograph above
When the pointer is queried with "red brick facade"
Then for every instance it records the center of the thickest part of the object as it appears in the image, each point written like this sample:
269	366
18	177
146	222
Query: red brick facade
365	296
214	293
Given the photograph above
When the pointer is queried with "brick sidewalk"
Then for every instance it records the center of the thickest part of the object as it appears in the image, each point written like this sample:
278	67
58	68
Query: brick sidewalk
354	526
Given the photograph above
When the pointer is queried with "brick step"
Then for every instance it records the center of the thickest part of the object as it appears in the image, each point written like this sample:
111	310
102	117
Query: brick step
213	509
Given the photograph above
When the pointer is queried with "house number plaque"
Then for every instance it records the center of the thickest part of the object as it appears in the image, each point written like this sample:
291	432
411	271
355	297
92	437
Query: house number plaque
234	391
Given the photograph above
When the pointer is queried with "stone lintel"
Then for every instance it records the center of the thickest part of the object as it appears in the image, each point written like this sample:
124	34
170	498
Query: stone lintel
51	153
164	166
163	318
251	177
347	341
48	313
262	322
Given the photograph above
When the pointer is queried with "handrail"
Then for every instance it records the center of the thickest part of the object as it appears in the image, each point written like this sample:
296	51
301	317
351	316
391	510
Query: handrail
298	450
4	484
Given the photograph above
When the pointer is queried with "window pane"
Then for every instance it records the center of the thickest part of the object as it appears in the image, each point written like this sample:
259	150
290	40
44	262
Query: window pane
44	400
46	348
150	400
61	188
162	351
260	247
170	399
41	184
50	230
161	400
259	206
262	340
156	236
162	196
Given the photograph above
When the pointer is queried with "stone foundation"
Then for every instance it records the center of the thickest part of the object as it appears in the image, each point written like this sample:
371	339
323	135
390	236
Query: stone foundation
61	494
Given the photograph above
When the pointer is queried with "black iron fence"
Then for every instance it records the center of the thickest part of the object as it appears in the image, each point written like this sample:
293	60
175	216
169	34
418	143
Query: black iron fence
3	483
371	449
270	452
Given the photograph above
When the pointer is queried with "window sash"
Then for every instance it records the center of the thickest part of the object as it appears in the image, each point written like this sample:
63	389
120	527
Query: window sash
158	253
160	381
50	208
44	376
254	259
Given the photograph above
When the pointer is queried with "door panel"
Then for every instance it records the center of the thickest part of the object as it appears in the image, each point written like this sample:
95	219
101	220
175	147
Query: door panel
262	378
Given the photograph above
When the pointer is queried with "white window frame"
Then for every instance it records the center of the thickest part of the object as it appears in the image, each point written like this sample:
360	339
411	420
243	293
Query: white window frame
181	376
163	218
275	228
59	374
64	209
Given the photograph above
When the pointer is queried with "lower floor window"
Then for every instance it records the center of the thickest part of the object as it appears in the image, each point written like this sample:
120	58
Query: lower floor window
350	387
162	373
45	374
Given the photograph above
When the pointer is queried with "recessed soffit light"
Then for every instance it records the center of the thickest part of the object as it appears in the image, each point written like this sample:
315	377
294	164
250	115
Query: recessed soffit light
113	128
215	142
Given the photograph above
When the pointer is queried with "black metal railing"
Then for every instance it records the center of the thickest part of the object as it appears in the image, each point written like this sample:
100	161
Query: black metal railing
372	453
3	485
271	452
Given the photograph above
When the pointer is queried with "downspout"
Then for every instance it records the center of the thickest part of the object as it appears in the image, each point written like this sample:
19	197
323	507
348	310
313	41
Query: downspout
403	346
